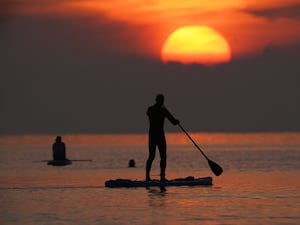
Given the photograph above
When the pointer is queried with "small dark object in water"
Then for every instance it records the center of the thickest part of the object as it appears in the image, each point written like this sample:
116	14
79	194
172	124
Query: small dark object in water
131	163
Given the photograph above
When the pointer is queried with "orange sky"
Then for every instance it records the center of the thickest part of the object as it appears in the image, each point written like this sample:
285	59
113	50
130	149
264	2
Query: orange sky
249	26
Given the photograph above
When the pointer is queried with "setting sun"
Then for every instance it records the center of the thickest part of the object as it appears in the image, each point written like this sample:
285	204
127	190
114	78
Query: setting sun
196	44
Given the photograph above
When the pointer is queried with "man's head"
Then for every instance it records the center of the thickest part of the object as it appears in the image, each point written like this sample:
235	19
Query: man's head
160	99
58	138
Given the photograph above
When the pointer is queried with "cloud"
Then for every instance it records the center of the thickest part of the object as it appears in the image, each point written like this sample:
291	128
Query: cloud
290	11
78	75
6	10
83	95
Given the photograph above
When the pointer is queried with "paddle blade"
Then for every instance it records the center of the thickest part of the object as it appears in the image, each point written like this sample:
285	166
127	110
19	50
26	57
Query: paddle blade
217	170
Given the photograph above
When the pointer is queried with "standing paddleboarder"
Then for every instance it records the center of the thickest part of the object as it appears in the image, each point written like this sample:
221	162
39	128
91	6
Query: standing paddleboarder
157	114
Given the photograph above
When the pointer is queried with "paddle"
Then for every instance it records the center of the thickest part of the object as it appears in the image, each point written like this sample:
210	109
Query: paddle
74	160
81	160
217	170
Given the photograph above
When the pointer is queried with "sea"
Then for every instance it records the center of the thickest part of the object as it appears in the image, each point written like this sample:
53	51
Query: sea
260	183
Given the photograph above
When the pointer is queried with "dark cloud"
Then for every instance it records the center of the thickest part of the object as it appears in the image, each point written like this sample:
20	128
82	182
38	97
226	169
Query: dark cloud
260	94
6	10
62	77
291	11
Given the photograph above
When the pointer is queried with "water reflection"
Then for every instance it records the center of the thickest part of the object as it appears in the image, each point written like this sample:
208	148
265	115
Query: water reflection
157	196
259	186
157	190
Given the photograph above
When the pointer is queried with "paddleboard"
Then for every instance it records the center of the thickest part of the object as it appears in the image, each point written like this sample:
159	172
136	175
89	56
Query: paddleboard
59	162
188	181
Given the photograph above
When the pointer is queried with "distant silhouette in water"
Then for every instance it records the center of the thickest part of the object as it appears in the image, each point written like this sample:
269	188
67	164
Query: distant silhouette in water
59	149
157	114
131	163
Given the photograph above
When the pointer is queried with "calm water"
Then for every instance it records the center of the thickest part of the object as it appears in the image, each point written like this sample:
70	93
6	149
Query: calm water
260	183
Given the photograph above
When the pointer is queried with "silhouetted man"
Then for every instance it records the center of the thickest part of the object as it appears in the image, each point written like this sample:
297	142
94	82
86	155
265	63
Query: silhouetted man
157	114
59	149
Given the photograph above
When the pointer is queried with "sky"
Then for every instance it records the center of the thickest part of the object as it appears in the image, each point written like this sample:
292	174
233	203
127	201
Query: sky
94	66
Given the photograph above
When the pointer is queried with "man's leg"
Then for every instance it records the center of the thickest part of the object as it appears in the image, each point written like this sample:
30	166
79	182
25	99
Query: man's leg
163	158
151	157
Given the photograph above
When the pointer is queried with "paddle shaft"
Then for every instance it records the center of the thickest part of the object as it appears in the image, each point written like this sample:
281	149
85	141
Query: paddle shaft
193	141
216	169
81	160
75	160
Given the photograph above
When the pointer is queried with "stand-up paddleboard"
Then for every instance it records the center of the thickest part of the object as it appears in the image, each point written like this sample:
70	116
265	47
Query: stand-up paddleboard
189	181
59	162
65	162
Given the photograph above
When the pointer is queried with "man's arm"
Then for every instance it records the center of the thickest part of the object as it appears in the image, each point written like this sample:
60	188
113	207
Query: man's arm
171	117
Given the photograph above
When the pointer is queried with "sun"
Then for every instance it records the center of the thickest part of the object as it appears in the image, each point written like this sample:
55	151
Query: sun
196	44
